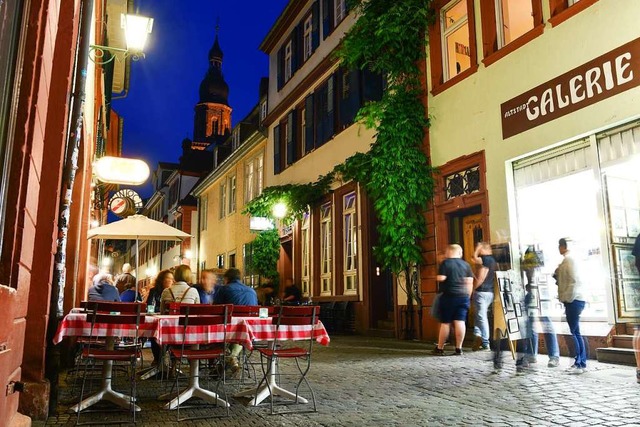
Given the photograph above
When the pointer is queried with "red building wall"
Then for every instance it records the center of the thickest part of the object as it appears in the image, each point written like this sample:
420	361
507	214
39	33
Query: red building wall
43	79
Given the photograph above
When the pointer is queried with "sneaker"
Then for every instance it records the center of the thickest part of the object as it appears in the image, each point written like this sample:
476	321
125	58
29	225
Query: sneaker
438	352
532	359
577	371
458	352
521	365
553	363
484	347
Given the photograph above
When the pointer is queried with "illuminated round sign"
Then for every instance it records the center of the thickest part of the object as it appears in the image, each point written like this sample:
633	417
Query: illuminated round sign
125	202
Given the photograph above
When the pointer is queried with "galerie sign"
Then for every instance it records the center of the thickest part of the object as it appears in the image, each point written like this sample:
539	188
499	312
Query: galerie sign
605	76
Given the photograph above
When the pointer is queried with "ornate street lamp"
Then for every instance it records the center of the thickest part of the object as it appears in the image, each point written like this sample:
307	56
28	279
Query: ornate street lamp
136	29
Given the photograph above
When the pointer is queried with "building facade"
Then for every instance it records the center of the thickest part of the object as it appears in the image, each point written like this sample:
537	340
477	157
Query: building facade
312	104
535	133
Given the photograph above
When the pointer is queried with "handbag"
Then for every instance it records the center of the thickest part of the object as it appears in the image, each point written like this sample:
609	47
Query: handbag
435	307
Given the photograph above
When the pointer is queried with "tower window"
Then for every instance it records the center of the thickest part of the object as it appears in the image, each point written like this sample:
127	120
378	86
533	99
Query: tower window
215	129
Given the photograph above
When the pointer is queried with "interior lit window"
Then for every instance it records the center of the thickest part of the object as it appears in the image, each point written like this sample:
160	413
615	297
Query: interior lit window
326	248
350	224
455	38
306	255
514	18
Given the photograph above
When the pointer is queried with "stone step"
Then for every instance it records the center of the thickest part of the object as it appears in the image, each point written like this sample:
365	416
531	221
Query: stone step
385	324
381	333
623	341
620	356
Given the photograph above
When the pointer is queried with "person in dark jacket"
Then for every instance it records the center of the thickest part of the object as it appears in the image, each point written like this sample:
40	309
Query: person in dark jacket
208	286
103	289
129	294
164	280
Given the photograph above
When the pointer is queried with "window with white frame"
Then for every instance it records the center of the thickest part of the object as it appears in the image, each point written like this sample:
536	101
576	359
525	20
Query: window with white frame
326	249
572	2
235	139
303	126
263	111
514	18
288	68
249	180
232	194
204	208
220	261
223	199
454	26
340	11
306	255
307	38
350	249
259	174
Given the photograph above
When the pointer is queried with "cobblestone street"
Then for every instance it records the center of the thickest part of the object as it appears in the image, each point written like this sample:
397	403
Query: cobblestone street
380	382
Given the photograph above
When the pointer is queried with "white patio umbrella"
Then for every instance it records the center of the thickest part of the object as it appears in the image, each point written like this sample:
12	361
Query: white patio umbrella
137	227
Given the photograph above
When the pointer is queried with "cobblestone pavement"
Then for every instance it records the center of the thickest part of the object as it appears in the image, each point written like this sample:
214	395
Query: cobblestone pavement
363	381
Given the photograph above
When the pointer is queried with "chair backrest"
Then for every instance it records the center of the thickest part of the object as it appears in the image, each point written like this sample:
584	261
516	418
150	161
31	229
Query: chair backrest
206	309
253	310
111	307
202	315
296	315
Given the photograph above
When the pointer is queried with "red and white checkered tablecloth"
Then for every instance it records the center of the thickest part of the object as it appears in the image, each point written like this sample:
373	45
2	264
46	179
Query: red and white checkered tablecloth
265	330
77	325
166	329
169	331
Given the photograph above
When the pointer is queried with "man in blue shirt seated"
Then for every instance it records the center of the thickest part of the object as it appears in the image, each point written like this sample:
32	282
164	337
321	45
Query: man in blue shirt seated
207	288
237	293
234	291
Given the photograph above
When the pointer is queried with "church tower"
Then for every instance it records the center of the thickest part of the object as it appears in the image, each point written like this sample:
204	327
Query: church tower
212	113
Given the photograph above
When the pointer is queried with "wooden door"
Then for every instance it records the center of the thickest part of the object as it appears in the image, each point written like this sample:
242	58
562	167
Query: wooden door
472	233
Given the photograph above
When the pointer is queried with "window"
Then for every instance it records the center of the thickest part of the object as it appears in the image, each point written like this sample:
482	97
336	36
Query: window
249	181
306	255
454	27
259	174
263	111
250	278
204	200
220	261
232	259
235	139
291	137
340	11
215	127
307	44
350	250
572	2
288	58
303	126
513	18
223	199
326	249
232	194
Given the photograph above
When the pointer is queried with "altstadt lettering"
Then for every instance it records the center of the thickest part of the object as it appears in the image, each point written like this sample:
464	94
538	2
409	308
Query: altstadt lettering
607	75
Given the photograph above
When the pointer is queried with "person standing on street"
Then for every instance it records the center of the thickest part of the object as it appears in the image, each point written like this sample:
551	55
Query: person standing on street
456	284
483	295
571	295
124	280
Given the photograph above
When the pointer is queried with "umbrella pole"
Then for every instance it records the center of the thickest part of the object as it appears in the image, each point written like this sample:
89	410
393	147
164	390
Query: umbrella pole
137	267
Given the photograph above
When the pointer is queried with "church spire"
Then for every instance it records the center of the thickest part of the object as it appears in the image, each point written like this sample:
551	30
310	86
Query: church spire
215	54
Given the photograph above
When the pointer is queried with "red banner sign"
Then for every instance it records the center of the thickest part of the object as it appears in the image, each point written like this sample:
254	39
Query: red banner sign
598	79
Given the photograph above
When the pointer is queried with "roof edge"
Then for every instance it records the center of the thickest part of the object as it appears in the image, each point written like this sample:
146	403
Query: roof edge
282	23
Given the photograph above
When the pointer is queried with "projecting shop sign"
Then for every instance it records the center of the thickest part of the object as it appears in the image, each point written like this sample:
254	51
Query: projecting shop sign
605	76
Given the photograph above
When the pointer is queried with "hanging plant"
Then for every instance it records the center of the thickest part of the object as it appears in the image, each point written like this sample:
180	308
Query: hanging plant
265	252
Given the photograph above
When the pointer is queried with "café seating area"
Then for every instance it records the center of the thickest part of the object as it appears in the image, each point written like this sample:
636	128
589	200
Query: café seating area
197	339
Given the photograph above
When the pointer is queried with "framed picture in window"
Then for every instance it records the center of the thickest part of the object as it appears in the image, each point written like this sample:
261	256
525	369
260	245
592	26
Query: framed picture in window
630	293
618	222
633	222
545	308
626	263
518	310
513	326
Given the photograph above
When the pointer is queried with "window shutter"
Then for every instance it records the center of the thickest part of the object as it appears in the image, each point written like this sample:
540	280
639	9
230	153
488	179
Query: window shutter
320	108
309	136
371	86
329	128
349	97
295	46
327	18
315	26
291	137
276	150
280	67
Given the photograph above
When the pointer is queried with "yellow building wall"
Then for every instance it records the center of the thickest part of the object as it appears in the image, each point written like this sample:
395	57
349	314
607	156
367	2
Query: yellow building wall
228	234
466	117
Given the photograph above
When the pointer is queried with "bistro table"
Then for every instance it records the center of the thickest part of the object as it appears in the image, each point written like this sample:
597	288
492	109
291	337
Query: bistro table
169	331
263	329
76	324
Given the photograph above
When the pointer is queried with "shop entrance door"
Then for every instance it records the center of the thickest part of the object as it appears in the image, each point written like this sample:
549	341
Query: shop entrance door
466	229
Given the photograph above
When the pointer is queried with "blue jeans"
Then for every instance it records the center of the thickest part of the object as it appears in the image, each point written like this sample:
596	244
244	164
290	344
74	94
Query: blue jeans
482	301
573	310
550	338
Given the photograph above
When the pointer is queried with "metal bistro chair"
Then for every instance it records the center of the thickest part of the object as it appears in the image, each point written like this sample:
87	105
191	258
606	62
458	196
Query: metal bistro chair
289	315
251	311
193	316
110	313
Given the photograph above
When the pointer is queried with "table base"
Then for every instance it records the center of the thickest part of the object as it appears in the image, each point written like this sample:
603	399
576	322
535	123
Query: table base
106	393
194	390
261	393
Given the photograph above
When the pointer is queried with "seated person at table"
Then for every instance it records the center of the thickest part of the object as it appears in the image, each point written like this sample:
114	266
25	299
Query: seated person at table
237	293
265	294
163	281
129	294
180	291
207	287
292	294
103	289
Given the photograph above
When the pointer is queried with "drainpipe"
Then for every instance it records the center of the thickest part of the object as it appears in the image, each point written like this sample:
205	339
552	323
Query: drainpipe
72	152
